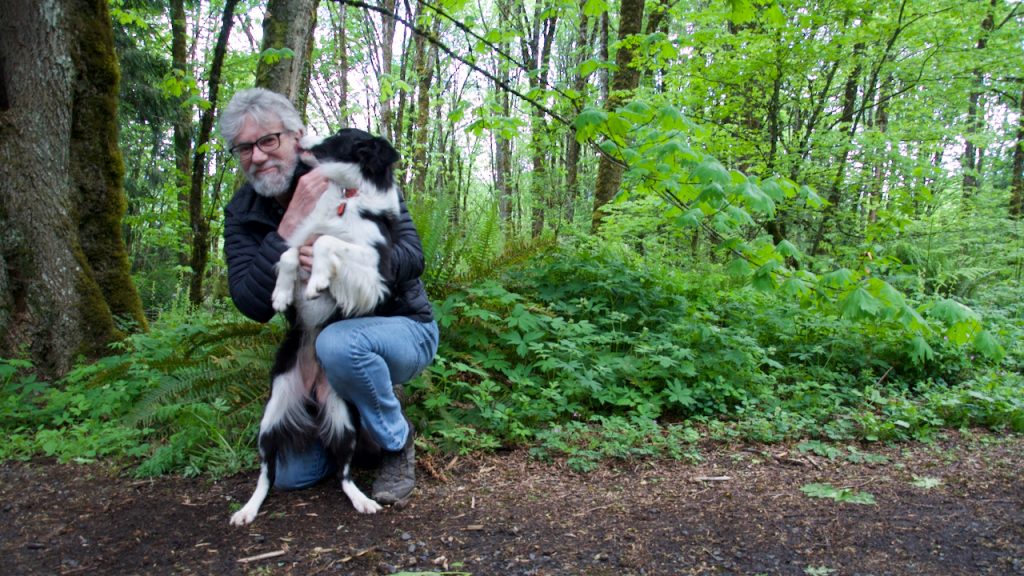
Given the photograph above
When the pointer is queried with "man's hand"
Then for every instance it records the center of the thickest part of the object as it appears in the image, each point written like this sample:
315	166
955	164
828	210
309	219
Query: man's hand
308	190
306	255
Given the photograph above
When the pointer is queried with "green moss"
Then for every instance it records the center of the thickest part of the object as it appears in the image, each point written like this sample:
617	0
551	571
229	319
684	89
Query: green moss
105	286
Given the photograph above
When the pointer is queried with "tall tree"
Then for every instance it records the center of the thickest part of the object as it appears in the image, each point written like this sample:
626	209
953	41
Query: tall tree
1017	180
64	273
623	82
198	220
536	42
183	117
973	155
288	25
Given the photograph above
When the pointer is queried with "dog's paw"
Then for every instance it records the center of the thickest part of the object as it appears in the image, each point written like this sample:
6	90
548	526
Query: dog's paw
367	506
316	284
281	299
243	517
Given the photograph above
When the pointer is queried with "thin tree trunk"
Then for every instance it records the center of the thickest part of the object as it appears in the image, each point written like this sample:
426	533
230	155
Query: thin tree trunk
1017	185
200	226
425	76
973	154
182	116
535	47
625	80
502	144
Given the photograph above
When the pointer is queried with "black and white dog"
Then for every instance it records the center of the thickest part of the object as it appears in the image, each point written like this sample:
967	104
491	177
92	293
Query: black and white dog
353	222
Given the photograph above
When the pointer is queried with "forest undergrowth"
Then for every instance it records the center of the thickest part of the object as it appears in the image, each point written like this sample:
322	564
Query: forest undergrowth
584	349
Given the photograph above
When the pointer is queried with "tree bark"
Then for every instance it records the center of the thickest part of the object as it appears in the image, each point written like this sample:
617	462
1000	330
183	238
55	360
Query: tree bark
973	154
288	24
182	116
503	144
1017	184
536	43
624	81
200	225
426	57
64	271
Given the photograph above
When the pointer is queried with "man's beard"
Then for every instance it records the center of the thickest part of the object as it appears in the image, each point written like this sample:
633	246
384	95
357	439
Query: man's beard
275	183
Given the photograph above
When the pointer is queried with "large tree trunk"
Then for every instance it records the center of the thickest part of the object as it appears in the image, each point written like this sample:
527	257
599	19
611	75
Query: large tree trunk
64	272
288	24
625	80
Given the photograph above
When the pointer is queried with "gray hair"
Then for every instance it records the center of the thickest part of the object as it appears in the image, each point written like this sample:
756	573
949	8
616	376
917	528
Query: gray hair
261	105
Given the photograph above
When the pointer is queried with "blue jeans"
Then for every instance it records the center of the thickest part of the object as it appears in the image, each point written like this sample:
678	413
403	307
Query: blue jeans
364	358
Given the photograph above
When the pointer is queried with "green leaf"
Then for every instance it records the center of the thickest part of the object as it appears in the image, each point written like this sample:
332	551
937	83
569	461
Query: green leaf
845	495
275	55
838	278
811	197
691	219
739	267
711	170
592	65
755	199
989	347
786	249
764	277
920	351
595	8
951	312
741	11
860	304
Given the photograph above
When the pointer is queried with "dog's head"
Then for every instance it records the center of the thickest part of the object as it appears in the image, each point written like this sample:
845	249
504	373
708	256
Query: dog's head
374	155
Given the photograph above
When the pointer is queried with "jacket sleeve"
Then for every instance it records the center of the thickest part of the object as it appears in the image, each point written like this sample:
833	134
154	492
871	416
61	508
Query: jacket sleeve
407	257
252	250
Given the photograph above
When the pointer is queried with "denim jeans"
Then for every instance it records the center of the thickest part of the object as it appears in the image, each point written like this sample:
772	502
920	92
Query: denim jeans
364	358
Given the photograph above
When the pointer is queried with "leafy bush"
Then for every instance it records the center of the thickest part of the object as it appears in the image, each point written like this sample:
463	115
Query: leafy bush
185	397
588	351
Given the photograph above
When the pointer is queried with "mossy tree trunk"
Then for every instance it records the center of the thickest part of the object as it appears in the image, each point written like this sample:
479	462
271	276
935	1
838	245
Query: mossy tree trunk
288	24
623	83
64	271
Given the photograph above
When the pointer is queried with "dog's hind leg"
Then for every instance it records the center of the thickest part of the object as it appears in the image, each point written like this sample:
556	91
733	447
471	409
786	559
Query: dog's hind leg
338	433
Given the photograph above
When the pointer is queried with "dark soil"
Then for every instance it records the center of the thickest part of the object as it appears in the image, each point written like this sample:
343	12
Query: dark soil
740	511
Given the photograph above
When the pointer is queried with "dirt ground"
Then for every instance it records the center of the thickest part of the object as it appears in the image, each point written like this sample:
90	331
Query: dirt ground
739	511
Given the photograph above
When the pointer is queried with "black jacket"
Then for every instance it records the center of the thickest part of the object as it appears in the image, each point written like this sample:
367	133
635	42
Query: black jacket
252	248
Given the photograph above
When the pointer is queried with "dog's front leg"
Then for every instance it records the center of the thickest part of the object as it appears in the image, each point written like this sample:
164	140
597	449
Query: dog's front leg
328	254
287	269
248	512
284	415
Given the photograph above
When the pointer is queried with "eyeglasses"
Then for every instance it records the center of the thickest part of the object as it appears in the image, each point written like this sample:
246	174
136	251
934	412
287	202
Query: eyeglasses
267	144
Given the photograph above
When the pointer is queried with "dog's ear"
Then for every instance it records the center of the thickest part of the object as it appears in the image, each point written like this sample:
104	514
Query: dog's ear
377	158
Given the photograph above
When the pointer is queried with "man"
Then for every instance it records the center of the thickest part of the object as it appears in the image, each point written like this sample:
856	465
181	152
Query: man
362	358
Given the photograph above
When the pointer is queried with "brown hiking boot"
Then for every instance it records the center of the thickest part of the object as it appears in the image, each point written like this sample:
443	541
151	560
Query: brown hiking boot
397	476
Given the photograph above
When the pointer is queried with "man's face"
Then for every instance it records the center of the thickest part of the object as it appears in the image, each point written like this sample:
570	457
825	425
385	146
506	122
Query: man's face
269	172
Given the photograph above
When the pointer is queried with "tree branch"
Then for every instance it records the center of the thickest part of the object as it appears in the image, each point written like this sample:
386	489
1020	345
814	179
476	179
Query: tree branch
433	40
